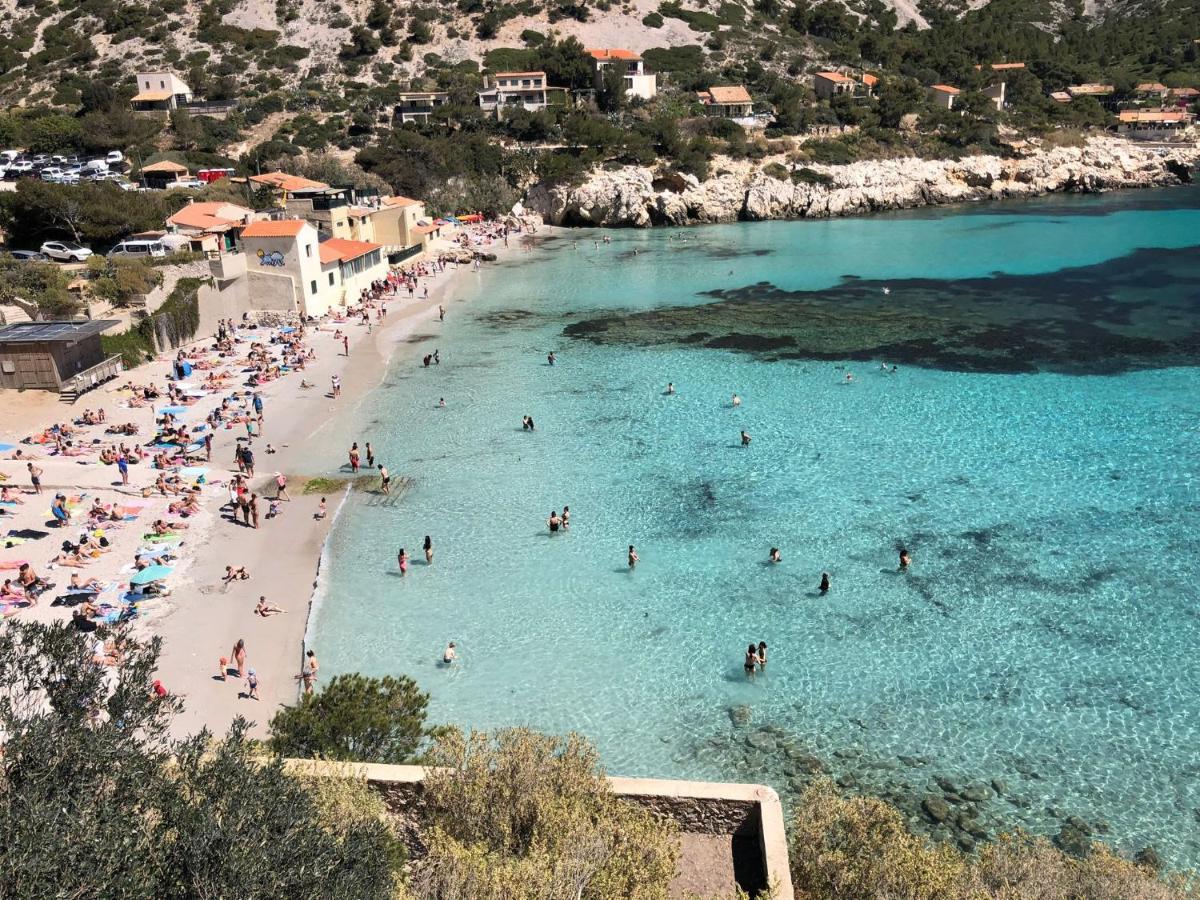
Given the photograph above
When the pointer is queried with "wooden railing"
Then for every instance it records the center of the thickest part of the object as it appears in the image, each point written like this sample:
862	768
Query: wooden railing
90	378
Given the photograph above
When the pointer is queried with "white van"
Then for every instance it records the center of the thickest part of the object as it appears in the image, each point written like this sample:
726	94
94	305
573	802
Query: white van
138	250
94	167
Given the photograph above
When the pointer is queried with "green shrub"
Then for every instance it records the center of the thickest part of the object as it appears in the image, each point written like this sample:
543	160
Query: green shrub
696	20
806	175
653	20
777	171
684	61
519	814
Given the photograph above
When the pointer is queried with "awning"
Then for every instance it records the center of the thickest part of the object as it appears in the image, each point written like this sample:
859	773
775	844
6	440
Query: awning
148	96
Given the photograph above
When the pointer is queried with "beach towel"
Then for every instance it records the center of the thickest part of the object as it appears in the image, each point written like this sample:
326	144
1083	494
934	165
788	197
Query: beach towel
13	564
169	538
29	534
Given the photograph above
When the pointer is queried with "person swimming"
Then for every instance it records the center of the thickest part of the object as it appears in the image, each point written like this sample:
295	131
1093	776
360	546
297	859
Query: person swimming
824	582
737	401
774	556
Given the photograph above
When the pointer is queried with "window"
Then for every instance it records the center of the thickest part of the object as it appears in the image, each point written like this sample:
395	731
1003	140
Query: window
308	250
162	84
313	286
331	279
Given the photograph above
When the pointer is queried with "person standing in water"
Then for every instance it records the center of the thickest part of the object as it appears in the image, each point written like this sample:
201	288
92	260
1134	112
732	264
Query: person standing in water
566	518
429	552
737	401
370	456
751	661
774	556
385	480
745	439
762	656
670	387
554	521
824	583
442	318
633	557
905	559
354	457
550	358
449	655
402	560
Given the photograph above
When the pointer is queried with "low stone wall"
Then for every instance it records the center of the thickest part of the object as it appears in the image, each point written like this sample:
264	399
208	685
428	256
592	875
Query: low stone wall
747	811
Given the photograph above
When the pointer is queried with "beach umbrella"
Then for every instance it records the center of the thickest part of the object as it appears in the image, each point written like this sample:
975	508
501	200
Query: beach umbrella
173	410
151	573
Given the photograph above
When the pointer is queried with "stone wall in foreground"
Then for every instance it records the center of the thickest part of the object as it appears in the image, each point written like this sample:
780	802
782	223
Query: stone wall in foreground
635	196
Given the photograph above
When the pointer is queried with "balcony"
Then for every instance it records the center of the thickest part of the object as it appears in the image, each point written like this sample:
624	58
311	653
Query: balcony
226	266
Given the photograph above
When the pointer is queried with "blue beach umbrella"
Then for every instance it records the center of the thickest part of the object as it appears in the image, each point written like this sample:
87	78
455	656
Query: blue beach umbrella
151	573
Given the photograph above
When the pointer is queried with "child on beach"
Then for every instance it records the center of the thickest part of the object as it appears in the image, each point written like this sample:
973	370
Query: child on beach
320	513
252	685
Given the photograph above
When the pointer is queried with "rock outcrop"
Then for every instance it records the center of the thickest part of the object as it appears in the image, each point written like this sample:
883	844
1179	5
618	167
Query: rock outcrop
635	197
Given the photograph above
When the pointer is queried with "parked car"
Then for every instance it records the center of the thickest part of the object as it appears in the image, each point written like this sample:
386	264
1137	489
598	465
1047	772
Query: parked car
40	159
20	167
9	156
187	184
138	249
69	178
95	166
28	255
52	173
65	251
114	157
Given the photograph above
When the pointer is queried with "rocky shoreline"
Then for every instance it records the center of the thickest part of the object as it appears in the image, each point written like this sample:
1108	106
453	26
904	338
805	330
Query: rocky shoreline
740	190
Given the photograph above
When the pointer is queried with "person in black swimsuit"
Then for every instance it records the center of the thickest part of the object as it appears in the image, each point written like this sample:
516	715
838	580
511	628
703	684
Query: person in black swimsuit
824	582
554	521
751	661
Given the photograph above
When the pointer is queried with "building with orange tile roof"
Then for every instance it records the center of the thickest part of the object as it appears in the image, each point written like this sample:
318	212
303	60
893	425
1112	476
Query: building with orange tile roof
943	95
637	81
282	181
729	101
210	226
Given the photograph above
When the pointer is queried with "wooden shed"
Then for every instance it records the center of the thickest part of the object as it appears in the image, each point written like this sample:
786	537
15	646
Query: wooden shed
63	356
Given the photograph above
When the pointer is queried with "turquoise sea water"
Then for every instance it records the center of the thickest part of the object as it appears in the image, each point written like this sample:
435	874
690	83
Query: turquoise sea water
1046	635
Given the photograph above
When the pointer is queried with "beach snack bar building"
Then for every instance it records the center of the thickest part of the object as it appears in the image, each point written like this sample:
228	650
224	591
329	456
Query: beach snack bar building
55	356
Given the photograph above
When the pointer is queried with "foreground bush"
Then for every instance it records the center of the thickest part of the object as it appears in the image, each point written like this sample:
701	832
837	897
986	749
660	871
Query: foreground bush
858	848
520	814
97	801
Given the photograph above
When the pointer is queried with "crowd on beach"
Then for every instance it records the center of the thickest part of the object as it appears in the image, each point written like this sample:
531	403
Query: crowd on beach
147	478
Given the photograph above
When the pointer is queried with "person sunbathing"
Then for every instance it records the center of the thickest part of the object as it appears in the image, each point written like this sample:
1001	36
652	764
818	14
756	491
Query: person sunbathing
8	495
185	507
265	609
10	591
161	526
238	574
72	558
79	584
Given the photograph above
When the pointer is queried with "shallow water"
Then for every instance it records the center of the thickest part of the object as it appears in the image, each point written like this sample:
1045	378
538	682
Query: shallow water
1046	635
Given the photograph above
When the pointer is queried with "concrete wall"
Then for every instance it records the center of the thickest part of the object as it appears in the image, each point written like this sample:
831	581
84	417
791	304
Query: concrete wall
700	807
275	290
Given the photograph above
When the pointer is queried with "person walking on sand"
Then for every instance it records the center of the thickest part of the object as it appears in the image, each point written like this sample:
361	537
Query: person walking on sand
248	461
251	685
336	382
238	657
123	468
35	477
208	447
385	480
441	313
308	671
402	561
281	487
633	557
346	344
254	509
428	550
321	510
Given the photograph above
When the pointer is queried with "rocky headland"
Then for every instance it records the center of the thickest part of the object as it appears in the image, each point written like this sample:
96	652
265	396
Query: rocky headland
743	190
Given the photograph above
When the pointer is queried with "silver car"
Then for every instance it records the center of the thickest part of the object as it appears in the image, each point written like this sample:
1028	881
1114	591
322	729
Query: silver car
65	251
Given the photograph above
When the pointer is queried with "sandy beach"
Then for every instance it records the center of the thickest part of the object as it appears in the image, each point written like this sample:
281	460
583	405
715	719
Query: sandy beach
203	616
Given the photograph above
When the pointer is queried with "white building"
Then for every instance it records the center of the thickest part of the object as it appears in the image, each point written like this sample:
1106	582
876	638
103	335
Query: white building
638	82
1153	124
285	267
511	90
417	106
160	91
943	95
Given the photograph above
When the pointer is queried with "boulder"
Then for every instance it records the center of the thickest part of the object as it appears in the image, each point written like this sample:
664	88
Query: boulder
937	809
740	716
760	740
1148	858
1072	841
976	793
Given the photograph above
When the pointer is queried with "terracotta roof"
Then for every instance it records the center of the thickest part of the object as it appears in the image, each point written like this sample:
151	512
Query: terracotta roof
343	250
165	166
1185	92
945	89
152	96
870	80
837	77
207	216
274	228
1151	86
1076	90
726	94
286	182
1060	96
400	201
1152	115
603	53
